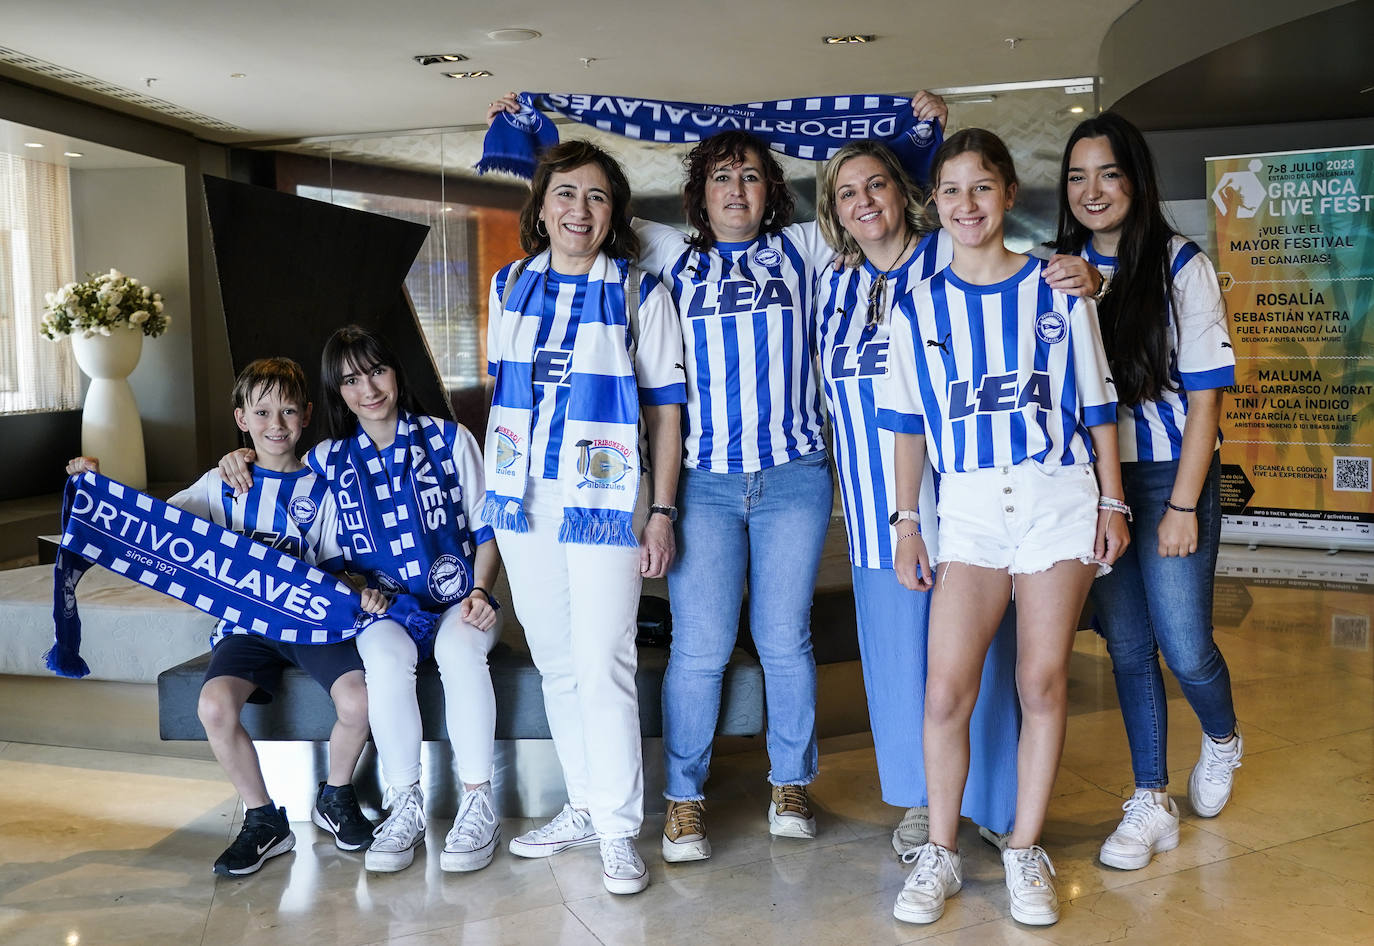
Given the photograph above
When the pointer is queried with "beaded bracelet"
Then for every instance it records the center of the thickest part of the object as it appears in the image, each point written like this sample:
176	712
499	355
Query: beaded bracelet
1115	505
1169	504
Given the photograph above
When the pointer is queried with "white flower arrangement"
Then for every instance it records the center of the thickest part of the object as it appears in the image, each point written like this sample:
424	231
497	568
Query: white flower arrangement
101	304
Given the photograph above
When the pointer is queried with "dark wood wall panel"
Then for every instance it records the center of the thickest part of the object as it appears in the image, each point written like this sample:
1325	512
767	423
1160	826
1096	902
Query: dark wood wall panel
292	270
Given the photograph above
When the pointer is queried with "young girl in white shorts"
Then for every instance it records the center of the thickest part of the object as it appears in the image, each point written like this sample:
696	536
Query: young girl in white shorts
1006	383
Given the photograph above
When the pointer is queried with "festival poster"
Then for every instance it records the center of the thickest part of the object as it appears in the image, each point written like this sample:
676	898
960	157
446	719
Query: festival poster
1293	243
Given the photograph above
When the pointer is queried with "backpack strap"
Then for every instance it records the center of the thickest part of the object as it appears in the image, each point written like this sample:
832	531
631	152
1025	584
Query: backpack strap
633	278
516	269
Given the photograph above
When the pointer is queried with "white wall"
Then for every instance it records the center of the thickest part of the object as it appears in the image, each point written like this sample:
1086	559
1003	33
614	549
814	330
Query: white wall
134	220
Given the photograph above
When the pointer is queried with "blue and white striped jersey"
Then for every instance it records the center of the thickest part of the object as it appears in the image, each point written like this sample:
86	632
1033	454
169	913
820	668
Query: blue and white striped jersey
853	359
294	513
1200	354
998	374
658	355
752	399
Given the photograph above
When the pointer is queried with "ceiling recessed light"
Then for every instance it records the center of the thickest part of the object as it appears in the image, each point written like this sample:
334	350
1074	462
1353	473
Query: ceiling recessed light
430	59
475	74
513	35
1076	110
848	40
32	144
238	75
72	154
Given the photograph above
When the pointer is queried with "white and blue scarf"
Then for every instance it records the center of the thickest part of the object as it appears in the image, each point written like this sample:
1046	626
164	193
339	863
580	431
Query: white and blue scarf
208	567
811	128
598	464
401	516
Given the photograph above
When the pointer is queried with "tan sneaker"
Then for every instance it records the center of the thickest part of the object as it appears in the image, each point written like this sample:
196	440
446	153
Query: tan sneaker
684	832
789	814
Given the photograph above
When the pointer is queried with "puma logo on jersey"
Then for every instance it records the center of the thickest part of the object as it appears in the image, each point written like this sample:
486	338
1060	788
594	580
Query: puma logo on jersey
942	344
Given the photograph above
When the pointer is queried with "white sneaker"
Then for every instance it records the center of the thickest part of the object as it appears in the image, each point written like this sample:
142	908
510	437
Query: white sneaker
1149	828
471	843
622	869
938	874
997	839
1033	900
912	831
1209	787
571	827
394	841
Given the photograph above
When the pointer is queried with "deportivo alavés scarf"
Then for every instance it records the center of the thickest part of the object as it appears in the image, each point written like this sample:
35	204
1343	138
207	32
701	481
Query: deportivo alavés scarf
208	567
598	463
401	512
811	128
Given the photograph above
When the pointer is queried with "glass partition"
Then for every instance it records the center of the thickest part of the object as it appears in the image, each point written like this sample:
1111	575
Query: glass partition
428	178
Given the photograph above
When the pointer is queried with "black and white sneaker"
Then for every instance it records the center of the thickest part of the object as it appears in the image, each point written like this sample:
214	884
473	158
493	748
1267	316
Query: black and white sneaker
265	833
340	815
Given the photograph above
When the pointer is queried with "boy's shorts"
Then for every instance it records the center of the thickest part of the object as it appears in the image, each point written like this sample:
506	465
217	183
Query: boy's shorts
261	660
1023	518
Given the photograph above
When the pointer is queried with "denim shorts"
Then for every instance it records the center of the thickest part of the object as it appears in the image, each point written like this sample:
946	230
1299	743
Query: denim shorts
1022	518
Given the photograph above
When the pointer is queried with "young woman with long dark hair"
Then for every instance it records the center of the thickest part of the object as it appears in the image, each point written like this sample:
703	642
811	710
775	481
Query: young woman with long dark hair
1164	327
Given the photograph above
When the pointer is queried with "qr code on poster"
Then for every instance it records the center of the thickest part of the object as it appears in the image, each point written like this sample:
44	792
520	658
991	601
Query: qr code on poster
1350	631
1352	474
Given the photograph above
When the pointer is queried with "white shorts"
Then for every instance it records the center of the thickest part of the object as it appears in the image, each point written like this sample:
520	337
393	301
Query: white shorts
1023	518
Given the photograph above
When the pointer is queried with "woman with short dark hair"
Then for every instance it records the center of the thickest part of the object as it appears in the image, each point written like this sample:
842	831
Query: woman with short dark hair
581	346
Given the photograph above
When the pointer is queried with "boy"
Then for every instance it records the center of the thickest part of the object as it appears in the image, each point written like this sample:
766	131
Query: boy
292	510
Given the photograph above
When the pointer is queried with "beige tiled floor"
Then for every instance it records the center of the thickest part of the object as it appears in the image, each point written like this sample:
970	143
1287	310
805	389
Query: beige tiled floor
107	847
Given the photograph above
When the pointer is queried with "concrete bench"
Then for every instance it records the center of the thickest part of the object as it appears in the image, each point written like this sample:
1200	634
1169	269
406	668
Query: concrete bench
302	711
129	632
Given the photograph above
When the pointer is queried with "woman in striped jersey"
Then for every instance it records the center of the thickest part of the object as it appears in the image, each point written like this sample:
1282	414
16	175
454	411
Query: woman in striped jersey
755	494
870	212
581	345
1006	382
1164	325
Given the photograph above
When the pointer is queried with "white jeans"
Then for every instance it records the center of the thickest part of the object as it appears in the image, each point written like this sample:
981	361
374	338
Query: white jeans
578	605
469	702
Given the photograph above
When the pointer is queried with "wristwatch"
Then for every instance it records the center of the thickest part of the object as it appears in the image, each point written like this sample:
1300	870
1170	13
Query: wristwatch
907	515
1102	289
669	511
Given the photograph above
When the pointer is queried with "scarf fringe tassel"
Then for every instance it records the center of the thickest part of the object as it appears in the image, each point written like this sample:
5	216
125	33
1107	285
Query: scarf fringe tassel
599	527
503	512
66	662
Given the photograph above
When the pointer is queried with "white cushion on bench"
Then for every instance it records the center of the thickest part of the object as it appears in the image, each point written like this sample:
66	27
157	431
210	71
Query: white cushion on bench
128	633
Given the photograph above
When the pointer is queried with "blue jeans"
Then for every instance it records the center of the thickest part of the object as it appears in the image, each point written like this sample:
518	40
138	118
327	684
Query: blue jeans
770	526
1149	605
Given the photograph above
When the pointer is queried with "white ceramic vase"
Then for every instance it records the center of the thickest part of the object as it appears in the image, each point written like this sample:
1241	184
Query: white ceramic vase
111	428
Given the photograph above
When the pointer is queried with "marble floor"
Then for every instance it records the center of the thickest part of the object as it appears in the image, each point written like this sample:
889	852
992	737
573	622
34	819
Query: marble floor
107	847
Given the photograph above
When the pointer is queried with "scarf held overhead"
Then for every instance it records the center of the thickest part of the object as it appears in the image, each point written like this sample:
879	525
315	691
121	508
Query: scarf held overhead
810	128
598	464
208	567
